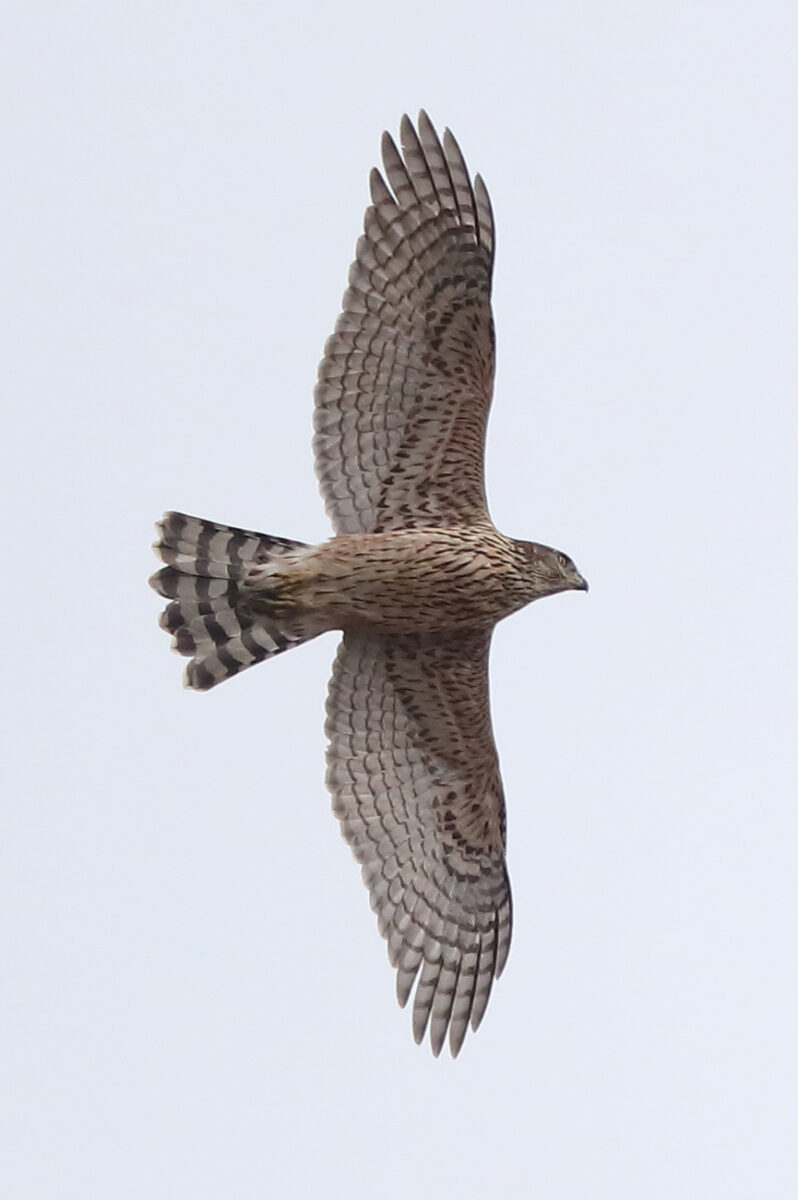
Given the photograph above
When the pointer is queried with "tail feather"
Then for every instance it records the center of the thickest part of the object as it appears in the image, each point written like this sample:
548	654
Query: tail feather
214	619
196	547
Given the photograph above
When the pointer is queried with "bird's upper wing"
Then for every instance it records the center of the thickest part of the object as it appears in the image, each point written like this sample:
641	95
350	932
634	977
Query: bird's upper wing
414	776
406	380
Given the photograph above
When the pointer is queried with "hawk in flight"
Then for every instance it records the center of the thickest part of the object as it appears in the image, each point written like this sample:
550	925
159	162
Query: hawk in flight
415	577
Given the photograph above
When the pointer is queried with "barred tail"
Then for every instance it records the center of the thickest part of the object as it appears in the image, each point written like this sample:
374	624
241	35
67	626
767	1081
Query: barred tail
213	617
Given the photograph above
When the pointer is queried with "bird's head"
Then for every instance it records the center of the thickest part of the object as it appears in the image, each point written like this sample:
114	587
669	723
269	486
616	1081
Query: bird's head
551	571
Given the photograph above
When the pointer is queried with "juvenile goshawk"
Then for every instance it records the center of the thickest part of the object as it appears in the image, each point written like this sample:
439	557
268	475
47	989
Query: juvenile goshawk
416	578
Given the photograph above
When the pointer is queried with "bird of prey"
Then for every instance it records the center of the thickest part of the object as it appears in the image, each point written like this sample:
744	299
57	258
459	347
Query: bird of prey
415	577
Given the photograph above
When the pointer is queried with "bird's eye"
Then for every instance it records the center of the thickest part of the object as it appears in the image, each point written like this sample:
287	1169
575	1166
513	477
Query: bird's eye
562	560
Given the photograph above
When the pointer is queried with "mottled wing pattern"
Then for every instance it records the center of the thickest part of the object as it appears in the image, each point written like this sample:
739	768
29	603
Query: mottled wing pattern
406	380
414	776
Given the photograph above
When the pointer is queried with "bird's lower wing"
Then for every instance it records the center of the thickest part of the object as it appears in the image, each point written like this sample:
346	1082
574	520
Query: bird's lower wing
414	776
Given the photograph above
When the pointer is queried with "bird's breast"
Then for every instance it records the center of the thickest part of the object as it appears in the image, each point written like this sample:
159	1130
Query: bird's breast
413	580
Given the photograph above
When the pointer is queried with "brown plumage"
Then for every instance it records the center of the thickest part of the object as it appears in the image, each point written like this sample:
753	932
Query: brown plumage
416	577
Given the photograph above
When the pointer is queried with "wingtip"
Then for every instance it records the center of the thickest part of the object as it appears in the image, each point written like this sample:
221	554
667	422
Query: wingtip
456	1039
380	192
406	129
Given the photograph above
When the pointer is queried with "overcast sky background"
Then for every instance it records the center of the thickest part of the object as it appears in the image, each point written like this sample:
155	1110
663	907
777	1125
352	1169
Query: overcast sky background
195	998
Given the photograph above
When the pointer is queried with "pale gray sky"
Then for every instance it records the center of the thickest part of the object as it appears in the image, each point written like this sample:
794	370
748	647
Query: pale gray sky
195	998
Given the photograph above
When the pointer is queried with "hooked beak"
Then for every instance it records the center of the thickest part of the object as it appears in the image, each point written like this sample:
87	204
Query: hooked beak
583	585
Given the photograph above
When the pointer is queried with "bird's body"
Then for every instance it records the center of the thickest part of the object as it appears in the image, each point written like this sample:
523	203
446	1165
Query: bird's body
416	578
406	580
